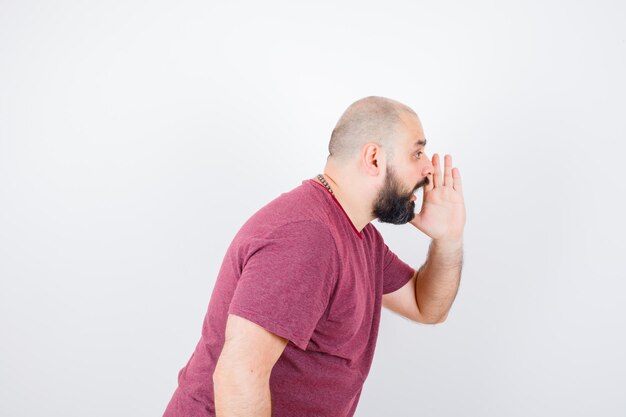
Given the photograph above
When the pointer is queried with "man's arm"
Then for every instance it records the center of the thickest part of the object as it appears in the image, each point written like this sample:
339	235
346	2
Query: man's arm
438	279
428	296
442	217
242	373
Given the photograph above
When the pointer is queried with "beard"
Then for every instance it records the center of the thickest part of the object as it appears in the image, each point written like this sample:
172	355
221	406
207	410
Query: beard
392	205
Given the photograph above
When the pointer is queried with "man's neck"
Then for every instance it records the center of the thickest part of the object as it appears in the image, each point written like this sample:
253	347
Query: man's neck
350	198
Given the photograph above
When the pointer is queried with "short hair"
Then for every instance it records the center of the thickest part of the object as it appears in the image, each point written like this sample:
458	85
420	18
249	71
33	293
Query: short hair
370	119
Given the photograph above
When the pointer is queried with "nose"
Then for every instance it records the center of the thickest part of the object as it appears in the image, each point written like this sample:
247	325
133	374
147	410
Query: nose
428	169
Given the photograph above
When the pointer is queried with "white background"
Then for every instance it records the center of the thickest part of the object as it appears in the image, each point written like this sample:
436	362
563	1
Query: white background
137	137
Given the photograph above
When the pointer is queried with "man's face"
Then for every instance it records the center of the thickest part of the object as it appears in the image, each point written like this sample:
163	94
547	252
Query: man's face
394	204
405	174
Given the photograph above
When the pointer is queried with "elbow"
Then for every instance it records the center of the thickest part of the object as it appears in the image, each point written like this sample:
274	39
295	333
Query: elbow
432	319
442	319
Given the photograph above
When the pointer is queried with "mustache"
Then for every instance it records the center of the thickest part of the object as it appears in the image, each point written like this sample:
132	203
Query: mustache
420	184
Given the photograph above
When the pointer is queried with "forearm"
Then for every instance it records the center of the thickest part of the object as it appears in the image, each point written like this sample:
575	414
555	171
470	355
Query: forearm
438	279
239	393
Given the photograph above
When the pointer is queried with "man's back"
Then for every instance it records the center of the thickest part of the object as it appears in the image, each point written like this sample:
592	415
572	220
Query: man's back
301	270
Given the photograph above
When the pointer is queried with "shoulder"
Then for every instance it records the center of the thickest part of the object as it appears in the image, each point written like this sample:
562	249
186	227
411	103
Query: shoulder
371	233
305	247
289	236
300	208
306	228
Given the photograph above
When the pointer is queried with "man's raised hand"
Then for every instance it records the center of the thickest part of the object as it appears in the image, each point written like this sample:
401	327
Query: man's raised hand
442	216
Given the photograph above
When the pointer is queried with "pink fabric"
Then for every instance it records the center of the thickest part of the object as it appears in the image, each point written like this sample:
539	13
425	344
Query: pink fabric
300	269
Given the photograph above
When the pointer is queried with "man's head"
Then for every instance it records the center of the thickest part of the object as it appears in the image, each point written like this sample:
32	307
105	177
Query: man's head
371	119
384	141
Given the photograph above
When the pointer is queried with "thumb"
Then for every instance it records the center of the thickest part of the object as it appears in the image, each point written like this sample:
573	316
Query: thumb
430	184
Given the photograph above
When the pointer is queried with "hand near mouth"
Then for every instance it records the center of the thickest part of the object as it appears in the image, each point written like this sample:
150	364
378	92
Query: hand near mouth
442	216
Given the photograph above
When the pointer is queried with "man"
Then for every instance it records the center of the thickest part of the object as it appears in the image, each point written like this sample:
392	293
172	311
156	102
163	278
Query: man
293	318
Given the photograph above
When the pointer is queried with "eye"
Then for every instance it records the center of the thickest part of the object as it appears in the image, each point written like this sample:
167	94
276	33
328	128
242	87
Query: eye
418	154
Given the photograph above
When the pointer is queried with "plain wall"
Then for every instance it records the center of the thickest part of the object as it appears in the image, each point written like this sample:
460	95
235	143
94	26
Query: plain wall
137	137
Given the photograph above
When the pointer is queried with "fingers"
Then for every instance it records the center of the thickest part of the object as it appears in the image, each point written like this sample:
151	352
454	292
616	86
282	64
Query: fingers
436	171
451	176
458	184
447	171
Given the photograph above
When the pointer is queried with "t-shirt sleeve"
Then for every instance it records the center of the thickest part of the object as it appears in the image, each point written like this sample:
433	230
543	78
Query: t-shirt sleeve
396	272
287	279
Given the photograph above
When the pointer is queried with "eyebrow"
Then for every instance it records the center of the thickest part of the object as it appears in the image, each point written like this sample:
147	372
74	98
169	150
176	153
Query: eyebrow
420	142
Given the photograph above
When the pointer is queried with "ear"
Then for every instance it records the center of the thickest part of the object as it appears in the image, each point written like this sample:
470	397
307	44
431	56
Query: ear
372	158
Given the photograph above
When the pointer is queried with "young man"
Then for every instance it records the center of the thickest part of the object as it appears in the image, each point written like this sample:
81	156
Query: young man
293	319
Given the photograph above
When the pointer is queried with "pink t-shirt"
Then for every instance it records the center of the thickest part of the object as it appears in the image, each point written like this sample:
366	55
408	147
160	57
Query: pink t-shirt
300	269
